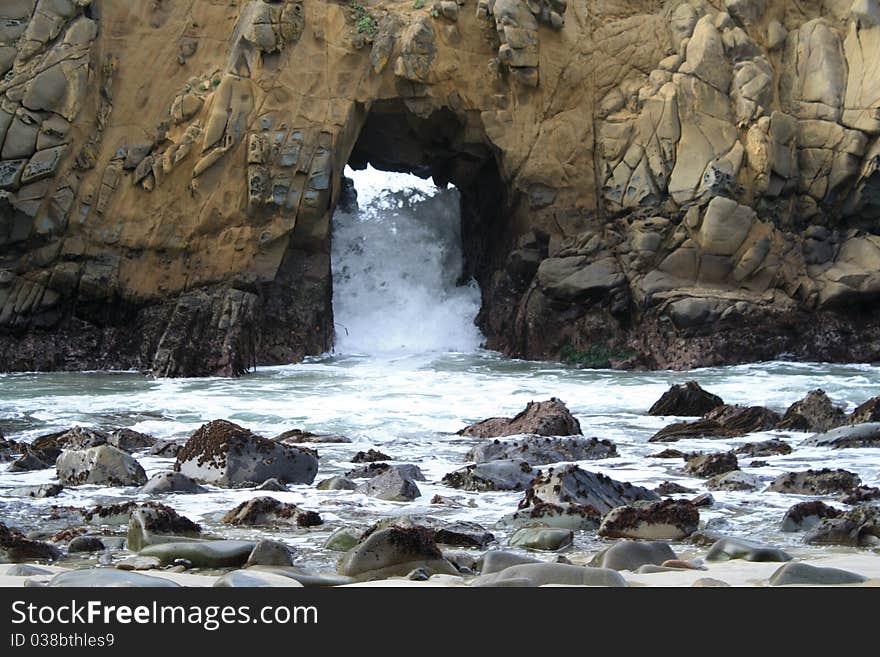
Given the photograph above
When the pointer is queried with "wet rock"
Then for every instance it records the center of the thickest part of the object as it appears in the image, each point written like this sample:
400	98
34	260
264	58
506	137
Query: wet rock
103	465
698	429
492	475
735	480
152	524
29	462
542	538
771	447
685	399
860	494
394	551
107	514
860	435
82	438
108	577
815	412
202	554
669	454
565	516
546	418
630	555
669	520
462	534
543	450
304	577
41	491
272	485
138	563
671	488
227	455
806	515
407	470
15	546
171	482
815	482
497	560
166	448
26	570
269	511
298	436
337	483
270	553
805	574
868	411
570	484
370	456
392	486
721	422
254	579
129	440
709	465
735	548
706	582
543	574
342	540
85	544
858	527
704	500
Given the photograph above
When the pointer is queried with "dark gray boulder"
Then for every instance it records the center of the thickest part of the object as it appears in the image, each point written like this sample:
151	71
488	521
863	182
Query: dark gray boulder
251	578
546	418
108	577
202	554
270	553
709	465
152	524
772	447
171	482
806	515
685	400
394	551
337	483
16	547
267	510
543	574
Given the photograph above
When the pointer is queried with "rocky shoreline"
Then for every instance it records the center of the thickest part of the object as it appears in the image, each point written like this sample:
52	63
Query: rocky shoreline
641	536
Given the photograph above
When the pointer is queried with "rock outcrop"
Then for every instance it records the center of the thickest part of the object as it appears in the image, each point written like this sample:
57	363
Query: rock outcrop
639	180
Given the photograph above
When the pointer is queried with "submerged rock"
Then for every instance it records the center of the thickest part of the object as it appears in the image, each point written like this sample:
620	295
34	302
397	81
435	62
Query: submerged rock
152	523
631	555
543	450
392	486
771	447
815	412
103	465
543	574
337	483
709	465
685	400
342	540
546	418
669	520
805	574
735	548
406	470
267	511
542	538
15	547
227	455
815	482
671	488
171	482
394	551
41	491
571	485
860	494
860	435
492	475
298	437
721	422
806	515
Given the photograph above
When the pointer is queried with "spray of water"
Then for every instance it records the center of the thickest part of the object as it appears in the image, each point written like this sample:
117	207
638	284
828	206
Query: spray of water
396	262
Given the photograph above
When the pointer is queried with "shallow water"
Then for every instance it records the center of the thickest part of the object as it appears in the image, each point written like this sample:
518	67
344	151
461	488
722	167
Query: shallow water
410	407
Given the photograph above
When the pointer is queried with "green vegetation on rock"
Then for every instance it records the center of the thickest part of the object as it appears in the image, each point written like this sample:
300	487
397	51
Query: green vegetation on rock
595	356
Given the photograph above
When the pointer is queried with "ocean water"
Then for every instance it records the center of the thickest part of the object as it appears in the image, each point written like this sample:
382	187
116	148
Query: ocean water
407	375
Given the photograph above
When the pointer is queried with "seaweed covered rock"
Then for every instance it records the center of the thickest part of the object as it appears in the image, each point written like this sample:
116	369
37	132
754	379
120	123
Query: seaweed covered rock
543	450
571	485
152	524
493	475
685	400
806	515
815	482
16	547
546	514
666	520
734	480
269	511
772	447
391	551
709	465
546	418
858	527
868	411
227	455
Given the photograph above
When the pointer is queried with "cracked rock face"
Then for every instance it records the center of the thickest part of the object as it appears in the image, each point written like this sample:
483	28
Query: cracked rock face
638	181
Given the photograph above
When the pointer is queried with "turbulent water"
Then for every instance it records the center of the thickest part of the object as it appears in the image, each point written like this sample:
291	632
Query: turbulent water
406	391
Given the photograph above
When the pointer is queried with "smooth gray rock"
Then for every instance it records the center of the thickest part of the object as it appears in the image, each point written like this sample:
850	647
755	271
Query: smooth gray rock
542	538
497	560
797	572
171	482
735	480
27	570
543	574
304	577
203	554
270	553
859	435
337	483
108	577
707	582
255	578
491	475
735	548
394	551
630	555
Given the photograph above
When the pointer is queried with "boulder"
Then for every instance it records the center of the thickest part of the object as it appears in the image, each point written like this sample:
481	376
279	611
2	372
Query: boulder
108	577
543	574
337	483
546	418
860	494
28	462
304	577
669	520
270	553
342	540
856	436
815	482
85	544
631	555
735	480
41	491
298	436
492	475
709	465
685	400
269	511
406	470
166	448
858	527
370	456
706	499
394	551
543	450
771	447
79	438
542	538
723	421
392	486
103	465
796	572
152	523
671	488
251	578
815	412
272	485
497	560
868	411
227	455
571	485
202	554
707	582
806	515
565	516
171	482
15	546
129	440
735	548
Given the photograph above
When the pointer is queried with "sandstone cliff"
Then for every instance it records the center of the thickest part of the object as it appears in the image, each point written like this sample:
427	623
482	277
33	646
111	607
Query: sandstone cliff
644	183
